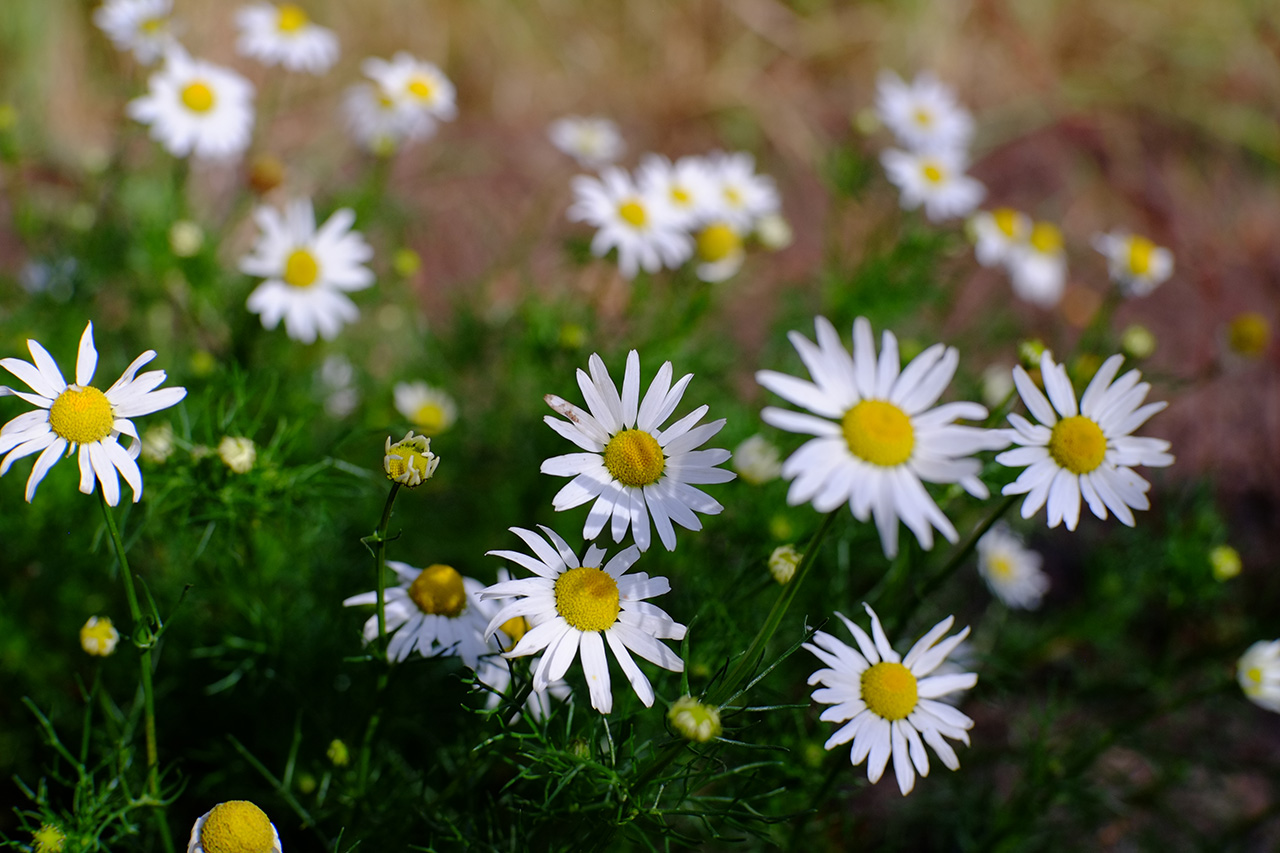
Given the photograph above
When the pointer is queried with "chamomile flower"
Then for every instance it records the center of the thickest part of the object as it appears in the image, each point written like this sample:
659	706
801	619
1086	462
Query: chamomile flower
997	233
415	88
1087	450
430	410
1038	266
285	35
144	27
377	124
1137	265
687	188
98	636
196	108
936	180
79	416
308	271
1011	570
577	606
720	251
409	461
591	140
740	195
632	467
878	433
435	610
757	461
234	825
891	702
634	222
923	114
1258	673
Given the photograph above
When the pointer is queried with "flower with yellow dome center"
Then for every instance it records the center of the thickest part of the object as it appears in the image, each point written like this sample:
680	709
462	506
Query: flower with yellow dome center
1258	674
143	27
79	417
890	702
577	607
99	637
720	251
1087	450
436	611
308	270
236	826
49	838
1137	265
632	467
934	179
879	435
410	461
430	410
1011	570
592	141
923	114
196	108
285	35
631	218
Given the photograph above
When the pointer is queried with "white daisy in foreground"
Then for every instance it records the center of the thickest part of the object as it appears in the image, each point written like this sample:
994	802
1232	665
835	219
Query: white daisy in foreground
80	416
236	825
435	610
923	114
196	108
144	27
416	88
1087	450
638	225
687	188
1136	264
1258	673
430	410
1011	570
890	701
997	233
740	195
285	35
632	467
1038	266
577	606
936	180
592	141
308	271
878	433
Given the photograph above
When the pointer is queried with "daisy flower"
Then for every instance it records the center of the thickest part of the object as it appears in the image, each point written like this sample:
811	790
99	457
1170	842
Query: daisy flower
577	606
436	611
1258	673
308	271
720	252
1087	450
1011	570
632	467
409	461
234	825
687	187
997	233
377	124
196	108
891	701
284	35
81	416
592	141
923	114
141	26
430	410
631	220
878	434
1038	266
936	180
416	88
494	670
1136	264
98	636
757	461
740	195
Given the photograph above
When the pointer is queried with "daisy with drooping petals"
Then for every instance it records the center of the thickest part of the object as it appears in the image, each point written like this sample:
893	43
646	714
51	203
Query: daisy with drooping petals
308	271
429	409
143	27
1038	266
1258	674
592	141
936	180
234	825
631	220
285	35
80	416
879	434
1011	570
740	195
997	233
632	467
577	606
890	702
196	108
923	114
1089	450
1137	265
435	610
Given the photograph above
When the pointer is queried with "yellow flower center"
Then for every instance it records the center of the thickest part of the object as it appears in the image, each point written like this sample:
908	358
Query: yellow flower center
922	117
81	415
933	172
733	196
890	690
681	196
99	636
587	598
879	432
633	458
1077	444
237	826
291	19
153	26
633	213
1254	674
1001	567
49	839
301	269
1006	219
197	97
421	88
439	590
1046	238
430	418
515	628
718	241
1249	334
404	459
1140	251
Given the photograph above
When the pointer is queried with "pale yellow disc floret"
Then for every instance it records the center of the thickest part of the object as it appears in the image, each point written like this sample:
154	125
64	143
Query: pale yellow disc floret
301	268
681	197
879	432
922	117
515	628
1046	238
439	591
197	97
1140	251
1006	219
718	241
81	415
431	418
1001	567
890	690
633	458
587	598
1077	444
933	171
633	213
420	88
237	826
291	19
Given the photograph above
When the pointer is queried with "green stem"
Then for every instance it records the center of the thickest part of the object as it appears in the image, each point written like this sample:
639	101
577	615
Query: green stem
380	563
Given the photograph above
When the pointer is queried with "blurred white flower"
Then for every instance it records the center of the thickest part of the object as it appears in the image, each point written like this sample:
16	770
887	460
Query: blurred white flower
757	460
936	180
997	233
923	114
99	637
1038	266
1011	570
285	35
631	220
196	108
592	141
238	453
1137	265
430	410
1258	673
144	27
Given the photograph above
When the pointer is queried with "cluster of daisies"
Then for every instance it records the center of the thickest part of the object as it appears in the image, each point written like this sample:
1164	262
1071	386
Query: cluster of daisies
935	132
